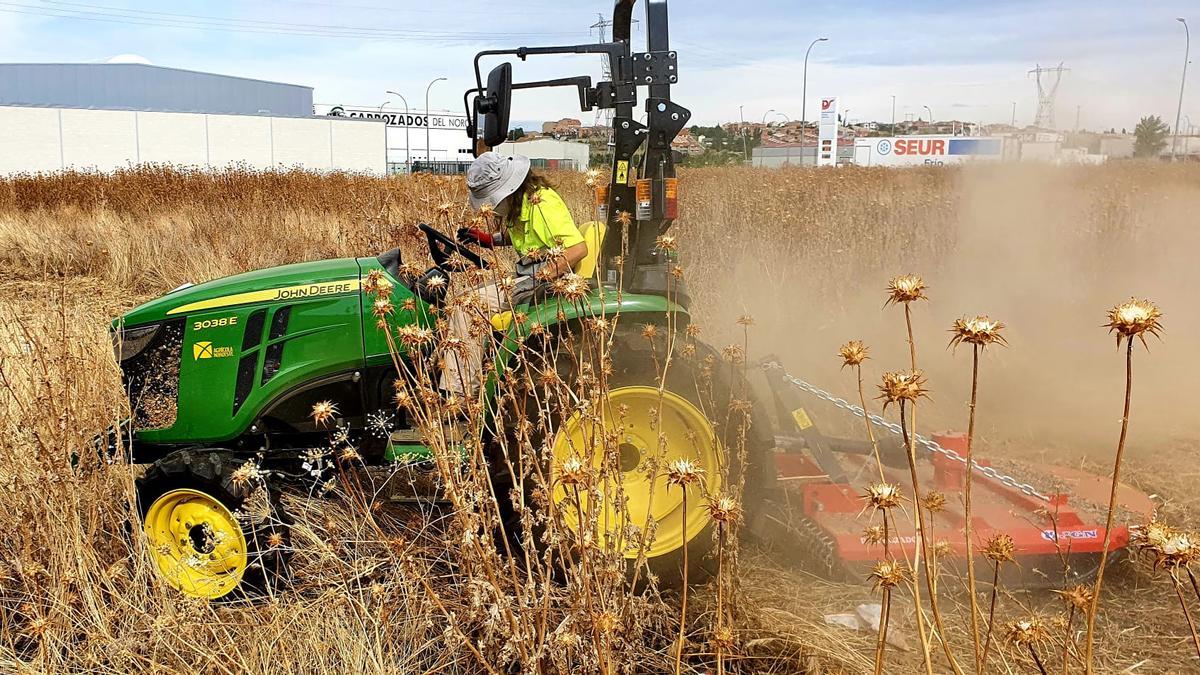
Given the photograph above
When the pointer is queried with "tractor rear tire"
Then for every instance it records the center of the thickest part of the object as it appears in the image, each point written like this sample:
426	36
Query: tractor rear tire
693	395
207	536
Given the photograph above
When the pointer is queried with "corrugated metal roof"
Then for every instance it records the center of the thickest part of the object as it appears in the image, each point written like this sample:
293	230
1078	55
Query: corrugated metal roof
135	86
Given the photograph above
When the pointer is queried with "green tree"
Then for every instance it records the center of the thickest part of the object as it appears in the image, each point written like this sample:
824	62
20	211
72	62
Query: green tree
1150	136
516	134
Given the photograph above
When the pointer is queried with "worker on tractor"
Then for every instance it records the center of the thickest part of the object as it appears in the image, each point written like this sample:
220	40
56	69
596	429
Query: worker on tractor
537	223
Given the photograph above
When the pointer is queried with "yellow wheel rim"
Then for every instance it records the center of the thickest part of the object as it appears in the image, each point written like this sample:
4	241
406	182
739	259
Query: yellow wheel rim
196	543
644	425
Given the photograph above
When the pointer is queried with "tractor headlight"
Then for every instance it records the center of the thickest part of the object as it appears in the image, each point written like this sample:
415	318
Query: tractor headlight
129	342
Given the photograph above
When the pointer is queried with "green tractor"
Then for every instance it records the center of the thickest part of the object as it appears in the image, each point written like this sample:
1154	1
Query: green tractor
228	371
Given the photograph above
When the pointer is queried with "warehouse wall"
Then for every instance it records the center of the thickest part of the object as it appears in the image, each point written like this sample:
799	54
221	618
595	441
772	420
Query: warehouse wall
51	139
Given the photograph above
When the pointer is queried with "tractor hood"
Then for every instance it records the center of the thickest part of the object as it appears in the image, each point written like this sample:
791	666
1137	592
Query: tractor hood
289	282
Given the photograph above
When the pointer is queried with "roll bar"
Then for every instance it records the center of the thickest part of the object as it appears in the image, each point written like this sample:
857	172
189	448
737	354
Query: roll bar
656	69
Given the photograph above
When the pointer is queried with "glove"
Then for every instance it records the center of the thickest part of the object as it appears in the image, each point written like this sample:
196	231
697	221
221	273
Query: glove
474	235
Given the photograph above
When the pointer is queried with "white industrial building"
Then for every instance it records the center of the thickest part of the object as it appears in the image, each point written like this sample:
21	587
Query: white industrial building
101	117
550	153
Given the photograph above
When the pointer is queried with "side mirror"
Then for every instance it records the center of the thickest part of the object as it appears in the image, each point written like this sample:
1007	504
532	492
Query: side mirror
495	104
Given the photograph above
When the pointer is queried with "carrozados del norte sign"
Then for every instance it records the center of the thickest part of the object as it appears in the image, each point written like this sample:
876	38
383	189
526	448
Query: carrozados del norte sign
399	119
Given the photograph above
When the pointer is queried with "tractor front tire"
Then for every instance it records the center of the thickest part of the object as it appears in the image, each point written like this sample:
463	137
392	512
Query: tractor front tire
207	536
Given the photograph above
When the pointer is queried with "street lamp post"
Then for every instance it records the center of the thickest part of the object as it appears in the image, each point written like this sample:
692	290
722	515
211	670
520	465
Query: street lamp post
893	114
383	104
1187	46
1014	116
428	152
786	119
930	113
407	145
804	86
764	119
742	126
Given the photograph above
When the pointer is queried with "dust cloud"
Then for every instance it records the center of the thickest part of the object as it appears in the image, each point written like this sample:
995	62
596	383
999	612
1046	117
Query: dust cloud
1047	250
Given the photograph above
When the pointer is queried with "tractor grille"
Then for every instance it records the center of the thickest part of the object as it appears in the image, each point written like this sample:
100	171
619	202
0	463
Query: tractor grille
152	380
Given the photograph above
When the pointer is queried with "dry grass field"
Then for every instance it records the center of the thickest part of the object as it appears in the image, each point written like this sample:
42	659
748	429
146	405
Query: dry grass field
806	253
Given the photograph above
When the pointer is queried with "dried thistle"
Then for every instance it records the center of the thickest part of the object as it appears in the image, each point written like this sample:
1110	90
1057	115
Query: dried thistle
734	354
649	331
933	501
570	286
323	412
745	320
999	548
873	535
883	495
247	473
1178	550
853	353
889	574
1078	596
572	472
905	288
1134	318
980	331
382	308
683	472
1028	631
900	387
724	509
665	243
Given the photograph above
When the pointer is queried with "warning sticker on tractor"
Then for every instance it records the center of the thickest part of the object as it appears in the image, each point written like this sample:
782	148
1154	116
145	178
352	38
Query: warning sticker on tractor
802	419
623	173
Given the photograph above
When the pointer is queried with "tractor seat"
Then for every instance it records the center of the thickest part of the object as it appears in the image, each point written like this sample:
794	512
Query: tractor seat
390	261
593	236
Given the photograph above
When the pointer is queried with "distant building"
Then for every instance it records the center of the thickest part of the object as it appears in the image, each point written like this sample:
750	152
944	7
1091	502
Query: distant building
107	116
567	127
136	86
686	143
550	153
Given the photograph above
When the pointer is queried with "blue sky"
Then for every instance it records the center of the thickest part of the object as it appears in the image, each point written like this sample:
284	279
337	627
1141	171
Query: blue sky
965	60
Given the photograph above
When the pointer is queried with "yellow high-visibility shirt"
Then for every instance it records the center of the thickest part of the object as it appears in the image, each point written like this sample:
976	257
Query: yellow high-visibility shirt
545	222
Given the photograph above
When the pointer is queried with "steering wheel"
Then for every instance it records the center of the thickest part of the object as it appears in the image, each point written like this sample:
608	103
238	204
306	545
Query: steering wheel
441	248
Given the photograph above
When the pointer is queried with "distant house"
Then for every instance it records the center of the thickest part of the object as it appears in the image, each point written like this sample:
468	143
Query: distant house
686	143
565	128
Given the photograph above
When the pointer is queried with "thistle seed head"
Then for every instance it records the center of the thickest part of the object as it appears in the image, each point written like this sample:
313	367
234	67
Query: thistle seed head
1078	596
323	412
905	289
883	495
980	331
1028	631
1134	319
683	472
889	574
873	535
572	472
999	548
900	387
853	353
933	501
724	509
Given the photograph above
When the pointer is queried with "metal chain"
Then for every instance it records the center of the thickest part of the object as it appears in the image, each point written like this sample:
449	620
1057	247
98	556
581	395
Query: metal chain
928	444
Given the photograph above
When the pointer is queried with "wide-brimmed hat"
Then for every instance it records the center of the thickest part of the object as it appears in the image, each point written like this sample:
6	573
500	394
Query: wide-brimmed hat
492	178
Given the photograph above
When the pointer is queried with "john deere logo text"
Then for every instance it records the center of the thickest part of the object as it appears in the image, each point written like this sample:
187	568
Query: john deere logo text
314	290
206	350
